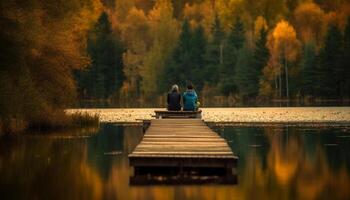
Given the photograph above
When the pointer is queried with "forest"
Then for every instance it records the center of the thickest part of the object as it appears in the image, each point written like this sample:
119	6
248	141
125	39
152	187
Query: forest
231	50
57	53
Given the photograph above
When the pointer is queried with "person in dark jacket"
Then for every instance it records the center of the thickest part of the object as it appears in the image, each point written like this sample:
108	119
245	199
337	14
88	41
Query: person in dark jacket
174	99
190	99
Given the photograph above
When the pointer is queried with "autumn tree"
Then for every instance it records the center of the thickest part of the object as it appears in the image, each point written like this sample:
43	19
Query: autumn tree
284	48
42	43
164	34
136	36
201	13
310	22
271	10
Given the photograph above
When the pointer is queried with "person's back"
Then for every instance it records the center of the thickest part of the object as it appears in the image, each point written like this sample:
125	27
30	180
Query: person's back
190	99
174	99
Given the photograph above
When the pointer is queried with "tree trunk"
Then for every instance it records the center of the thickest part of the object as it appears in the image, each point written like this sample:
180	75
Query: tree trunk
280	84
287	84
221	54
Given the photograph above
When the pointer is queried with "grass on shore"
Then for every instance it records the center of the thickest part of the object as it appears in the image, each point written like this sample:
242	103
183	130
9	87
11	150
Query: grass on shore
53	121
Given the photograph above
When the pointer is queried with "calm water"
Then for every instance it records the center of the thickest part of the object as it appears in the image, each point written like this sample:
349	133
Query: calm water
275	163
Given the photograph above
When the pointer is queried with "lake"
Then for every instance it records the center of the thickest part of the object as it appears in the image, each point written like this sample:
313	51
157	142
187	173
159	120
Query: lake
276	162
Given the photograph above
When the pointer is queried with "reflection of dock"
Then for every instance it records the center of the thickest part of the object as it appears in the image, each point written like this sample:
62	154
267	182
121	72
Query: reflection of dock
187	150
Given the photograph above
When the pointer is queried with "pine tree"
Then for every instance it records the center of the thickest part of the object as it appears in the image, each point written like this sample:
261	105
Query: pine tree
177	70
308	69
235	42
245	74
260	57
346	62
214	53
330	70
198	44
104	76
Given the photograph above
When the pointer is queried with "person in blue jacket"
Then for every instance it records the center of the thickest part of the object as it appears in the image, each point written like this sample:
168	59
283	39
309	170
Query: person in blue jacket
190	99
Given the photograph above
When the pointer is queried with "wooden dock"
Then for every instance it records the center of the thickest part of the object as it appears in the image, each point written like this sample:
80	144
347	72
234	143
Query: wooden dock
183	147
160	114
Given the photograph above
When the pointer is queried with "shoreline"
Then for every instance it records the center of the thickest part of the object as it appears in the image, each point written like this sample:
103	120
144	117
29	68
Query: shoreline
260	116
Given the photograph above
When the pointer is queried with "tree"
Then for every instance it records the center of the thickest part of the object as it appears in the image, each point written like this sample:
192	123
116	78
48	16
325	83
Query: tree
235	41
284	48
201	13
164	29
178	66
309	20
214	53
199	44
105	74
330	71
245	74
136	36
346	61
308	69
259	59
40	47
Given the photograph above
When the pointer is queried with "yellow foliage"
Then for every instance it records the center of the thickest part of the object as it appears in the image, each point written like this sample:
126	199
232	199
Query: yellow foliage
259	24
284	42
201	13
310	22
229	10
135	33
284	47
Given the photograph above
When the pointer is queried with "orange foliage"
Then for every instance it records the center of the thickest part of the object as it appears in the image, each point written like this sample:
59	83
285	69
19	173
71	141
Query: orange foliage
259	24
202	13
284	47
310	22
283	42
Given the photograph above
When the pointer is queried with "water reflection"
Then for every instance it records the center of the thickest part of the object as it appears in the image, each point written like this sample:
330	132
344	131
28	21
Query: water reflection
299	164
275	163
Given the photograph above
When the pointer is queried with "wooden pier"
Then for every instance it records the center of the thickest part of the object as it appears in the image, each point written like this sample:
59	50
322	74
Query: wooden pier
185	148
178	114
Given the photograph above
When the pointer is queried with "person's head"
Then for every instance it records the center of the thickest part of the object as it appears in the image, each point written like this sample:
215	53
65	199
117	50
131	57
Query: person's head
175	88
189	86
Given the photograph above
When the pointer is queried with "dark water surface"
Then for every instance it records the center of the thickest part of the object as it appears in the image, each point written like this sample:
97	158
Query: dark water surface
275	163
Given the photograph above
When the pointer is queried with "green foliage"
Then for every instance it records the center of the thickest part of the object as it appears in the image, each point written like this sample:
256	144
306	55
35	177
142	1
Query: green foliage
345	90
330	64
187	61
104	76
164	29
245	75
214	54
199	43
261	55
308	69
235	41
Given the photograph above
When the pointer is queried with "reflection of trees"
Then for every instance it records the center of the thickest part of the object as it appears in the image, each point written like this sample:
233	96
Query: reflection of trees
109	139
284	155
294	170
313	176
46	168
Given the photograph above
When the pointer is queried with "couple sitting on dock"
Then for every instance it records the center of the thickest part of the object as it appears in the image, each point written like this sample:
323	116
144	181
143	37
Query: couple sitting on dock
189	99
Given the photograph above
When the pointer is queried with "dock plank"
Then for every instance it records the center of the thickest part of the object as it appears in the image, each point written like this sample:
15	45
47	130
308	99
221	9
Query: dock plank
181	138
